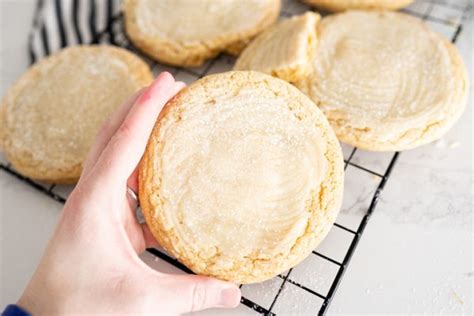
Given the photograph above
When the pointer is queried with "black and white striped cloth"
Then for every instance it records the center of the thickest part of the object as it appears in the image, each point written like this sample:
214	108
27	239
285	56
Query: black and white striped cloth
61	23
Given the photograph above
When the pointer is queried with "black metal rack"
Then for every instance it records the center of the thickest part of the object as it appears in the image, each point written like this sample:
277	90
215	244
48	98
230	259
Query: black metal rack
113	33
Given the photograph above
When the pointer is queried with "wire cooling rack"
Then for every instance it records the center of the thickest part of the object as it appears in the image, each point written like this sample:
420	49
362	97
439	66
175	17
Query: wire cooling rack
54	29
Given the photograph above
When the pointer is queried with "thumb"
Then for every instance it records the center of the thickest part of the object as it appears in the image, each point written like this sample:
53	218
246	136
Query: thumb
191	293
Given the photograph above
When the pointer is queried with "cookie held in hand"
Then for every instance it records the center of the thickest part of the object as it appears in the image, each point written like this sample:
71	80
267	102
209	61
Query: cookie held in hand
242	177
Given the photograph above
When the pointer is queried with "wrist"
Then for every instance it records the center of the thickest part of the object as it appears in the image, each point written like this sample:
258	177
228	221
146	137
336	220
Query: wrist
27	302
36	300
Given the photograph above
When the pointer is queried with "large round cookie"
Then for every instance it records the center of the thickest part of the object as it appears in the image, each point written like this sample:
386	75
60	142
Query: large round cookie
343	5
51	115
242	177
187	32
386	81
285	50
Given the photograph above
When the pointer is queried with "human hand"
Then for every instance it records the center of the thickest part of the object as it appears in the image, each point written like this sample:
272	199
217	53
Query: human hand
91	264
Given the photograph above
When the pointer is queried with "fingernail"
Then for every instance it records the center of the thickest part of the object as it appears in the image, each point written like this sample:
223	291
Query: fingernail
230	297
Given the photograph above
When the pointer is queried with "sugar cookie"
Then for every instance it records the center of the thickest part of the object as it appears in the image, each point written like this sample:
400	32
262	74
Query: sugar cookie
51	115
242	177
187	32
343	5
385	80
285	50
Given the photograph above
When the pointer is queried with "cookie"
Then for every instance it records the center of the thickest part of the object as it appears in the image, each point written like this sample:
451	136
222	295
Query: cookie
187	32
242	177
285	50
51	115
343	5
385	80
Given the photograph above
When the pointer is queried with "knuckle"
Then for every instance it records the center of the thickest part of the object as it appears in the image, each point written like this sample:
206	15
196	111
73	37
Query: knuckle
124	131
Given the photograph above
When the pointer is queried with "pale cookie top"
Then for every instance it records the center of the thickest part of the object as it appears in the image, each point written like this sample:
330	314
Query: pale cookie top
186	32
242	177
52	114
343	5
284	50
385	80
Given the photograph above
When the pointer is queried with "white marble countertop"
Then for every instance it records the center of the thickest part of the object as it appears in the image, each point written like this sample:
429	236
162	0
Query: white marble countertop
416	255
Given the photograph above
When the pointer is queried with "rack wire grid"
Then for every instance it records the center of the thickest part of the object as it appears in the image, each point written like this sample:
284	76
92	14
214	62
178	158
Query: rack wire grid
361	167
